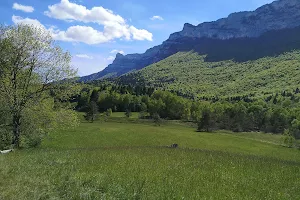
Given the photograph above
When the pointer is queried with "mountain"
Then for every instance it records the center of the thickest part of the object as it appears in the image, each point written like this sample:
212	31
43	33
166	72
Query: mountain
189	75
243	30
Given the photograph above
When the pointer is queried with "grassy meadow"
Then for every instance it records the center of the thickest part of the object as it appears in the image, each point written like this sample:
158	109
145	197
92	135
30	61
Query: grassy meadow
129	159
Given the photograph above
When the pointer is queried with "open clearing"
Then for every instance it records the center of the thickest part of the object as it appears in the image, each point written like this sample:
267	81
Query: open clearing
124	159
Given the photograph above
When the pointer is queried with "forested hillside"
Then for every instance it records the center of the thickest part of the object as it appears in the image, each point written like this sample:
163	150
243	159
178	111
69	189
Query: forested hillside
188	73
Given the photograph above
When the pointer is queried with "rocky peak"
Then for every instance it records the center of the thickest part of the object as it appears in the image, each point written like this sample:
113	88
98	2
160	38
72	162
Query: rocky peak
275	16
281	14
119	55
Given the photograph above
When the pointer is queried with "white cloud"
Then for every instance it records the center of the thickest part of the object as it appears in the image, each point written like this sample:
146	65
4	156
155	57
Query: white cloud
27	21
115	51
84	56
85	34
66	10
111	58
156	17
114	26
23	8
140	34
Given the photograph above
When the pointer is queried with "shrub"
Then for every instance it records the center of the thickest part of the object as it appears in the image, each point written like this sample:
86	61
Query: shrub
156	118
108	112
128	113
288	139
5	139
142	115
32	141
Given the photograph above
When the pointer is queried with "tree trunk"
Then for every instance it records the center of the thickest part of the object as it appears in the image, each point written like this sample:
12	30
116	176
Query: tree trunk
16	130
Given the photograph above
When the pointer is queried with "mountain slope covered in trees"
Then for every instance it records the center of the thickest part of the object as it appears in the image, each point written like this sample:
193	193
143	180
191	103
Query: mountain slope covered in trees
188	74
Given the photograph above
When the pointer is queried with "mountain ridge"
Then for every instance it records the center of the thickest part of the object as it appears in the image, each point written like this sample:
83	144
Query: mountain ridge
278	15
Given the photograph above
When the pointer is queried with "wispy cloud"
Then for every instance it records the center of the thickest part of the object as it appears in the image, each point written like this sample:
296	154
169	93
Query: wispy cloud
84	56
111	58
27	21
115	51
23	8
156	17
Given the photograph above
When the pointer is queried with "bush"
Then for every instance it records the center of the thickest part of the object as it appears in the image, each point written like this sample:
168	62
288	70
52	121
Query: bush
288	139
128	113
5	139
142	115
108	112
156	118
32	141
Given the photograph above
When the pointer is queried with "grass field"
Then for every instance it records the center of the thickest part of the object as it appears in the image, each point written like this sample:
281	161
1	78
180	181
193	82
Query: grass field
129	160
134	115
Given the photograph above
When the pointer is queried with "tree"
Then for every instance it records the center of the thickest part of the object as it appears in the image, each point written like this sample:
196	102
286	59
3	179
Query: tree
156	106
156	118
108	112
92	112
205	122
128	113
32	65
288	139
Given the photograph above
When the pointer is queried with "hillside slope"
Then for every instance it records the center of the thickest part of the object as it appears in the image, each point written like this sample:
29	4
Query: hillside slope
188	73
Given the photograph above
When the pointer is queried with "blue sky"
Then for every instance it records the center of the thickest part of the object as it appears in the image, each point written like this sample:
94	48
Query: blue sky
93	31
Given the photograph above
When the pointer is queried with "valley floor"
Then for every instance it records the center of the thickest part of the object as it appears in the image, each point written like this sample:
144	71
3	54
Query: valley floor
128	159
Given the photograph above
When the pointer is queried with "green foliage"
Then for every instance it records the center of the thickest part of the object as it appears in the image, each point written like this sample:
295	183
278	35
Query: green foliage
33	68
156	118
288	139
205	122
32	140
295	128
92	112
128	113
236	113
189	74
142	115
167	105
108	112
5	138
41	119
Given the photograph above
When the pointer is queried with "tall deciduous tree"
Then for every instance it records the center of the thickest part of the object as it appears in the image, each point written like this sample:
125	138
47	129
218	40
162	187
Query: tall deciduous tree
32	64
92	112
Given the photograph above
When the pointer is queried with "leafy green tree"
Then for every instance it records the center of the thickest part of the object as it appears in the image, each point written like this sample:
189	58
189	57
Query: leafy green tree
156	118
277	120
128	113
156	106
31	66
108	113
95	95
205	122
295	128
83	101
92	112
186	111
288	139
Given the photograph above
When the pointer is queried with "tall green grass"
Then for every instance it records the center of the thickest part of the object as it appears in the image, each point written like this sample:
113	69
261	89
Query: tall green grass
113	160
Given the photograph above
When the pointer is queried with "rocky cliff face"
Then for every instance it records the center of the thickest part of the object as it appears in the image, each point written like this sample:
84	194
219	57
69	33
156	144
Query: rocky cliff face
279	15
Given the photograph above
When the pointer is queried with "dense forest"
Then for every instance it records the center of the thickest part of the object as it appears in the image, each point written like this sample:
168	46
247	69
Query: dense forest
277	113
189	74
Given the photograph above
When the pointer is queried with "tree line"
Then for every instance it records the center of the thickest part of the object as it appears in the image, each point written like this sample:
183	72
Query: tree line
274	113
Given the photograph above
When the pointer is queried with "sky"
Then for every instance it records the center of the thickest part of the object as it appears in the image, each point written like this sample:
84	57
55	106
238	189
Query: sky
94	31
